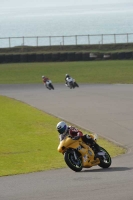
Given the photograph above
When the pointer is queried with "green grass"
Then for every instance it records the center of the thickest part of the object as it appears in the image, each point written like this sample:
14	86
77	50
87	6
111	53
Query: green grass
84	72
29	140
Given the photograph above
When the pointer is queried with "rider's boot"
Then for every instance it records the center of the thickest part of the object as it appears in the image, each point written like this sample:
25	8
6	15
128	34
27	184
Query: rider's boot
98	152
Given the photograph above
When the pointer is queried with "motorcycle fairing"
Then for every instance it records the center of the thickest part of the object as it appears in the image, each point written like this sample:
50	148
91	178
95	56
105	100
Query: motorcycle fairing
86	152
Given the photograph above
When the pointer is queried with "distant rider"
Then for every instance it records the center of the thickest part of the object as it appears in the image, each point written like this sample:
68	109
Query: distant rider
67	76
65	130
45	79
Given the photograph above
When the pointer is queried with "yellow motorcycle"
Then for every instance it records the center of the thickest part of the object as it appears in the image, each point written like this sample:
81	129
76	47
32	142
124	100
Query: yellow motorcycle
79	155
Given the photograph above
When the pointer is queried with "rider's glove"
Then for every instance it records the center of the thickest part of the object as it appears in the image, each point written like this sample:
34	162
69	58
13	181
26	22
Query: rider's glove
76	137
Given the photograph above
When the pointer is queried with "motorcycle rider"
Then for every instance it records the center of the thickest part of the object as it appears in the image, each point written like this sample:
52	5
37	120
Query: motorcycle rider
67	76
45	79
65	130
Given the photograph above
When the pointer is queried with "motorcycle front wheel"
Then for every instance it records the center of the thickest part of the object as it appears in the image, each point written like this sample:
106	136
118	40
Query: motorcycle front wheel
105	161
74	164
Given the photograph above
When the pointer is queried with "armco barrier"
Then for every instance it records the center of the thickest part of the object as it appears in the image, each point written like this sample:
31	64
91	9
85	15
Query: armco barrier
85	56
121	56
114	56
2	58
128	55
24	58
55	56
63	56
32	57
107	56
78	56
9	58
48	57
16	58
100	56
71	56
39	57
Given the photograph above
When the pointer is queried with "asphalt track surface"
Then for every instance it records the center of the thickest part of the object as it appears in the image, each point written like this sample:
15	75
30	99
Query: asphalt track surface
104	109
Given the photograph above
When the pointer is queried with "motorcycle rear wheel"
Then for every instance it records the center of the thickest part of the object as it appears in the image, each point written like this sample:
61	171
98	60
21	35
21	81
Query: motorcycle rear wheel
71	85
105	161
75	84
51	86
75	165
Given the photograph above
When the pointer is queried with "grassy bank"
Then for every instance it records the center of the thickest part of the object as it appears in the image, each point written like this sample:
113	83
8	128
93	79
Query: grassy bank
29	140
84	72
120	47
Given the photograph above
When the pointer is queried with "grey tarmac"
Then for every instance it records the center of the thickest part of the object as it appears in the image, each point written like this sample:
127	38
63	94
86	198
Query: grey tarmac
103	109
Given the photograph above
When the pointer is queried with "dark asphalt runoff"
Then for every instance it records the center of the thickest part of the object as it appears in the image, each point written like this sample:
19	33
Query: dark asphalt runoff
103	109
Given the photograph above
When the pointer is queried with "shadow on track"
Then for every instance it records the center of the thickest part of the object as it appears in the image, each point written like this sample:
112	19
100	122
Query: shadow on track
111	169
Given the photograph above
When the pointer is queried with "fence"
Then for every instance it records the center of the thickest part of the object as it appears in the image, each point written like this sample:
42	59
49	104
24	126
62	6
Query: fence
66	40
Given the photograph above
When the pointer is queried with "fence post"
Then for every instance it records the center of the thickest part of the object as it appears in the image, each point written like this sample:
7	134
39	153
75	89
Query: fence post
49	40
23	40
76	39
9	43
63	40
127	37
102	38
37	41
114	39
88	39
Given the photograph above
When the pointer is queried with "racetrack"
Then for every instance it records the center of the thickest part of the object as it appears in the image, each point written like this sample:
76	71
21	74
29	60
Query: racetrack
104	109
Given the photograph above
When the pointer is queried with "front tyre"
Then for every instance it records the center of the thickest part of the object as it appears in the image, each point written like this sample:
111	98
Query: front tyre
105	161
75	165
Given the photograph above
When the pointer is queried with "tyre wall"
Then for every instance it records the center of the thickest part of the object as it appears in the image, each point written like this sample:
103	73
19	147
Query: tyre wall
63	56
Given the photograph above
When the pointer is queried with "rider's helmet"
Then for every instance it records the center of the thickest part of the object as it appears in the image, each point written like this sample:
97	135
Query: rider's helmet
43	76
67	75
62	127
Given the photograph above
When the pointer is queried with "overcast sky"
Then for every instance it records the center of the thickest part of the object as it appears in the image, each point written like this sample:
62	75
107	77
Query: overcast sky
29	3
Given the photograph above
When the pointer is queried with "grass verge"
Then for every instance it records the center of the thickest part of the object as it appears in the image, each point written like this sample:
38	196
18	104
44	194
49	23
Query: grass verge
84	72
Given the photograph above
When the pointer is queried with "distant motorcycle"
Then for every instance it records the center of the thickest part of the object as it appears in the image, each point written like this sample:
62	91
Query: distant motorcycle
49	85
71	83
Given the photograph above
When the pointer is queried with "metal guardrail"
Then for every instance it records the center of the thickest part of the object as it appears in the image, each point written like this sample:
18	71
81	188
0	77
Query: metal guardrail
66	40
